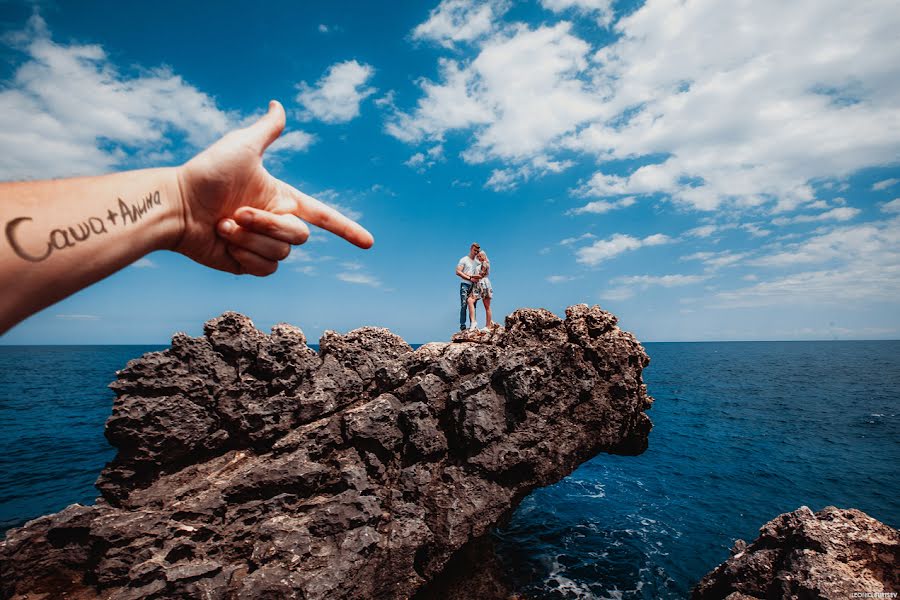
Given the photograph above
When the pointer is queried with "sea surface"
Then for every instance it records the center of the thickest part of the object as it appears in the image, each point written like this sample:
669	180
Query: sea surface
743	431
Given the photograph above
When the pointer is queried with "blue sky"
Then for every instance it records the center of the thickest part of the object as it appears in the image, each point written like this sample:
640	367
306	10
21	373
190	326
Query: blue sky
706	171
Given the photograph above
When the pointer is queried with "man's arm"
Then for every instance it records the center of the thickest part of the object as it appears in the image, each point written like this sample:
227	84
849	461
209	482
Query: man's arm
222	209
461	273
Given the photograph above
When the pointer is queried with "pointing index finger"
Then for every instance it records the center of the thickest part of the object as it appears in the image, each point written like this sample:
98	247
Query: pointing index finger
321	215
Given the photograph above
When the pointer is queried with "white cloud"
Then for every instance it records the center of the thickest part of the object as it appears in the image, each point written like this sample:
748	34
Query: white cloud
323	28
885	184
572	240
871	244
455	21
599	207
702	231
602	250
336	97
602	8
554	279
738	106
292	141
843	213
627	286
68	110
423	160
717	260
666	281
358	278
891	207
517	75
755	230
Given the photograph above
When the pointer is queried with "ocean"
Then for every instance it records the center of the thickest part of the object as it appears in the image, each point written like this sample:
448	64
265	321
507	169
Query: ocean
743	431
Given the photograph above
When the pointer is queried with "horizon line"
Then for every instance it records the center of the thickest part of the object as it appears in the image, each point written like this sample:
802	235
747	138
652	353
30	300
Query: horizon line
4	345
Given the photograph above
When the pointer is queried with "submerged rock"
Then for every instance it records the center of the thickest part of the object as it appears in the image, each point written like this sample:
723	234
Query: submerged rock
250	466
829	555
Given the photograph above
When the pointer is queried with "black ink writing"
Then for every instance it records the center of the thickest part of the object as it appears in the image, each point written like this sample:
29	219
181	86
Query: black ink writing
136	212
68	237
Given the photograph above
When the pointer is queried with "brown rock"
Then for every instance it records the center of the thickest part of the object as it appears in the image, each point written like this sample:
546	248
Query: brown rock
829	555
249	466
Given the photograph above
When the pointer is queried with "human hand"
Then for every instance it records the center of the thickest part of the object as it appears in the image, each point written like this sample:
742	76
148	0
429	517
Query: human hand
225	190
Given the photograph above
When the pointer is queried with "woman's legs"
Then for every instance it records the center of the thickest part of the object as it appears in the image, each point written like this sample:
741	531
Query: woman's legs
487	311
472	302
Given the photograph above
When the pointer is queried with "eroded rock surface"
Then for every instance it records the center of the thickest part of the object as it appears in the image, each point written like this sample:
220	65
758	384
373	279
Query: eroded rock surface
250	466
833	554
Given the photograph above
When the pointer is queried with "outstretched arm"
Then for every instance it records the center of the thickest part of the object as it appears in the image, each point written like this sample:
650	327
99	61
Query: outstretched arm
221	208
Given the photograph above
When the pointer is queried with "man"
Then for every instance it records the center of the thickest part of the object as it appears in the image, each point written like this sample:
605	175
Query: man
467	269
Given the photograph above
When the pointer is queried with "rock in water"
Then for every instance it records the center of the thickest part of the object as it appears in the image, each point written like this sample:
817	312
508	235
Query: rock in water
833	554
249	466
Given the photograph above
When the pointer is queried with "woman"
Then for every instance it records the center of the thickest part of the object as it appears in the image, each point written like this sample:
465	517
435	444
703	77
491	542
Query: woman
481	290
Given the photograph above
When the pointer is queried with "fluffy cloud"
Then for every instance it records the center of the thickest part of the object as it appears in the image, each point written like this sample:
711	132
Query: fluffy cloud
336	97
736	106
68	110
294	141
517	75
455	21
602	250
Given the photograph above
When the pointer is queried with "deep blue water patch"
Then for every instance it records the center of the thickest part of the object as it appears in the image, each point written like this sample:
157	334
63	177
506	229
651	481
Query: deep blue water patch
742	432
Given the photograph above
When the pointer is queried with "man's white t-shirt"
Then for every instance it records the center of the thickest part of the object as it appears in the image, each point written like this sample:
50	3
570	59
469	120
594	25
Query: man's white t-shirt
470	266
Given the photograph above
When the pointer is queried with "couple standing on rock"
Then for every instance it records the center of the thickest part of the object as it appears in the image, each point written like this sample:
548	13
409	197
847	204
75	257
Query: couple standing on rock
473	269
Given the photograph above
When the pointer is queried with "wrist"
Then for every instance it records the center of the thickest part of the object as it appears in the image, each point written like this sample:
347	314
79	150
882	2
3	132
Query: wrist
174	220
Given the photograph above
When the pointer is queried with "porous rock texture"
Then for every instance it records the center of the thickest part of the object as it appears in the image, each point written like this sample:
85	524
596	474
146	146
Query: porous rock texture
833	554
250	466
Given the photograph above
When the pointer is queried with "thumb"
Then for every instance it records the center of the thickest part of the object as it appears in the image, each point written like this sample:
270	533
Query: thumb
267	129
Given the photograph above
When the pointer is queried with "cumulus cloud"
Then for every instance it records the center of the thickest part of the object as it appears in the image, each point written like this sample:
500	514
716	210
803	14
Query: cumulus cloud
455	21
517	75
603	250
335	98
737	106
68	110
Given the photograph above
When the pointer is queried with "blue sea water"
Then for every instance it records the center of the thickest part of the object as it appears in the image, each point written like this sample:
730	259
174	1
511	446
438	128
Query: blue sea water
743	431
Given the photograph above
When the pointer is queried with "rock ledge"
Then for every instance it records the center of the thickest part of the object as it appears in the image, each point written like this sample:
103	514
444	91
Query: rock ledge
250	466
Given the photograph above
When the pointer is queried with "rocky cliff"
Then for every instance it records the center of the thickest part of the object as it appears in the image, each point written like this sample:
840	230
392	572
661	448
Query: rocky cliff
250	466
833	554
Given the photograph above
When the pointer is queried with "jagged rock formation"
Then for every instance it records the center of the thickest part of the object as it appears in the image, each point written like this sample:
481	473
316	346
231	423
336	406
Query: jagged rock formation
249	466
829	555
